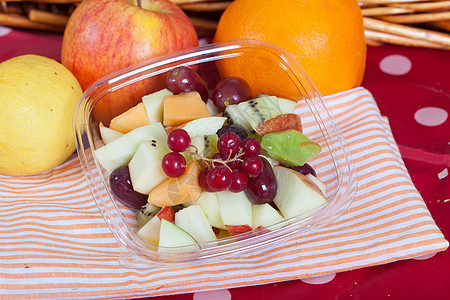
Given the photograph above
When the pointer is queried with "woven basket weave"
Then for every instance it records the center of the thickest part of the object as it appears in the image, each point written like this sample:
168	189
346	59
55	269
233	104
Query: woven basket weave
418	23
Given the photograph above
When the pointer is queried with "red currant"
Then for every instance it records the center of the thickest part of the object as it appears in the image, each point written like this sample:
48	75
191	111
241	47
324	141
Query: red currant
252	166
251	146
174	164
178	140
229	144
203	181
219	178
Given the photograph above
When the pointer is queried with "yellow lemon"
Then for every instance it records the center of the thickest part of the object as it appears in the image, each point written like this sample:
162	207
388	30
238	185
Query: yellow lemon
38	97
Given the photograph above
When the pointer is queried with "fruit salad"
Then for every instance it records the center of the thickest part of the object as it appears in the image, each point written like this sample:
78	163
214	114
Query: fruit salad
199	165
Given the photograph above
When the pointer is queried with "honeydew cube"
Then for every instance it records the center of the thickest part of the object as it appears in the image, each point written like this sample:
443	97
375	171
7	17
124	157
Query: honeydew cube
153	104
145	167
119	152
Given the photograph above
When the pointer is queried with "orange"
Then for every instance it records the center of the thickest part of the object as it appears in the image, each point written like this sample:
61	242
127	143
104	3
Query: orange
325	36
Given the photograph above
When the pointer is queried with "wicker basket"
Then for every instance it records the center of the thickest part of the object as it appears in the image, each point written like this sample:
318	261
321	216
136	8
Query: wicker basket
418	23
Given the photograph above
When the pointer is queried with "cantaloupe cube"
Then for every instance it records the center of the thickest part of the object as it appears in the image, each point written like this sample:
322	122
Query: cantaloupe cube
184	107
131	119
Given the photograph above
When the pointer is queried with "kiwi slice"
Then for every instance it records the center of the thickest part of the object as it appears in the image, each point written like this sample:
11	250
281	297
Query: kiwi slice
290	147
259	109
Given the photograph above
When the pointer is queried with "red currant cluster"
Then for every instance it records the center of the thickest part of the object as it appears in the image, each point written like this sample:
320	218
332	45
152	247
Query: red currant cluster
228	169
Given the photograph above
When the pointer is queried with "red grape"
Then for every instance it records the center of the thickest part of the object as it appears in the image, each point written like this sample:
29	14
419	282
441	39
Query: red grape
230	90
252	166
184	79
238	181
305	169
219	178
251	146
229	144
262	188
122	188
233	128
178	140
174	164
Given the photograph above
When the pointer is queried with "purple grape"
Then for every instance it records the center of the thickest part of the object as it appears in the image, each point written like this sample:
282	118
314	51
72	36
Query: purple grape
183	79
230	90
233	128
122	189
305	169
262	188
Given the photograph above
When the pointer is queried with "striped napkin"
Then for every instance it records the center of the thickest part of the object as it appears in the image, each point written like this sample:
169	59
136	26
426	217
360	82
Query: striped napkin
55	244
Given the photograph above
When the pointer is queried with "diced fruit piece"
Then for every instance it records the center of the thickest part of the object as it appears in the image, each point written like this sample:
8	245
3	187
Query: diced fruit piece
122	188
108	135
146	212
153	104
204	126
171	237
297	195
290	147
234	117
182	108
206	145
210	207
230	90
262	188
150	231
193	221
318	183
213	111
236	211
258	110
174	191
280	123
145	166
286	106
265	215
120	151
131	119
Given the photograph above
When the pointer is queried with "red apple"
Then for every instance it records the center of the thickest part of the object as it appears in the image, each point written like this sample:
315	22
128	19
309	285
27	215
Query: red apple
104	36
280	123
166	213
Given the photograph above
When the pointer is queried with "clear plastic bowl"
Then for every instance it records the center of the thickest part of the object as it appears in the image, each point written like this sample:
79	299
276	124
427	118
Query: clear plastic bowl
333	165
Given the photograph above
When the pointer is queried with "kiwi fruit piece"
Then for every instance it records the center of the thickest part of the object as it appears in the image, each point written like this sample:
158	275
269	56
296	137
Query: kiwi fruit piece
290	147
259	109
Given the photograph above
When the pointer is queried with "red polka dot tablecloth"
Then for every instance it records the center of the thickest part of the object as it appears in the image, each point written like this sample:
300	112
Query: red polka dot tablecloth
412	89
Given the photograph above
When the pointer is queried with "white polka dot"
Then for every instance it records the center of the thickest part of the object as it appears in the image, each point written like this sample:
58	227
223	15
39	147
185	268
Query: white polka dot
395	65
426	256
319	279
4	30
431	116
216	295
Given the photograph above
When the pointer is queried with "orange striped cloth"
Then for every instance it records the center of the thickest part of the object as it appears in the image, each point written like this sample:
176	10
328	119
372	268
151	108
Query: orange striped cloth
55	244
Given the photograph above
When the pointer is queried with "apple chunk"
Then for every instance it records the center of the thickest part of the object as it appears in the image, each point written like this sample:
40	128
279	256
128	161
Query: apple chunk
108	135
171	237
193	220
265	215
210	206
151	230
236	211
297	194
